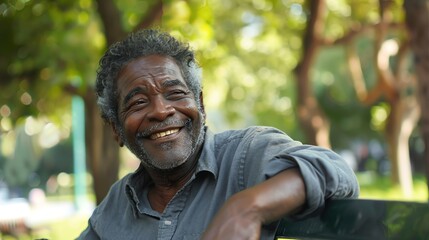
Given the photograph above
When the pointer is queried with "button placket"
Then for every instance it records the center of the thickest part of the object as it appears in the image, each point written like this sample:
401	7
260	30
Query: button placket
168	222
167	227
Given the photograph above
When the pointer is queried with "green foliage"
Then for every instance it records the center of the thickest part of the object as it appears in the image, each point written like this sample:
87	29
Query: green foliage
132	12
248	50
337	98
50	45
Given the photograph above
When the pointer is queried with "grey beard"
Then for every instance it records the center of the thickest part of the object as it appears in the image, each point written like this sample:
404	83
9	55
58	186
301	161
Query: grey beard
148	161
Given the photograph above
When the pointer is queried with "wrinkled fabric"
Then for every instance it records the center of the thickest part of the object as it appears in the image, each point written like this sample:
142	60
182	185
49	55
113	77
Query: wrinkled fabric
230	162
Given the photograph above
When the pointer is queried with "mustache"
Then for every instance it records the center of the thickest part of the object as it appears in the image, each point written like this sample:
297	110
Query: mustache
169	122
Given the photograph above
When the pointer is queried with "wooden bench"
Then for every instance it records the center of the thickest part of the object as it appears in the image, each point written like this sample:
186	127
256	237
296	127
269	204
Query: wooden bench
361	219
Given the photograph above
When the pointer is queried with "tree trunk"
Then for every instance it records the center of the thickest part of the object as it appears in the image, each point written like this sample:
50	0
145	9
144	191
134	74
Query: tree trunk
111	20
417	19
312	119
402	120
102	150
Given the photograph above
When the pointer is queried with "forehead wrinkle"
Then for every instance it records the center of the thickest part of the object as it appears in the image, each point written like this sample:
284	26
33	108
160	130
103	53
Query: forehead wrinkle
161	75
166	68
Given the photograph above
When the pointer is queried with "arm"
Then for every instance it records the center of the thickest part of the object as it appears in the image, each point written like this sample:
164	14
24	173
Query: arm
242	216
326	175
281	177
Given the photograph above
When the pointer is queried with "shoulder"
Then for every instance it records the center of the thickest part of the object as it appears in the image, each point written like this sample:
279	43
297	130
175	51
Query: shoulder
252	139
249	134
117	191
114	200
112	211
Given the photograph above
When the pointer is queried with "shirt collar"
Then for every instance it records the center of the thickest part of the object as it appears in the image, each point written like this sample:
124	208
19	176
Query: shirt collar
207	161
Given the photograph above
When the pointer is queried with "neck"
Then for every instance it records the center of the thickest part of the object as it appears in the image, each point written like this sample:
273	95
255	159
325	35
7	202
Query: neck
166	183
176	177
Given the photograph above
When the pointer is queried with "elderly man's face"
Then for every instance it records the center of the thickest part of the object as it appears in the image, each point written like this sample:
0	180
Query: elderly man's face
161	121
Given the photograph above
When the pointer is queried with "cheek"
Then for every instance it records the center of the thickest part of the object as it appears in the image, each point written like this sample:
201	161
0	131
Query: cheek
191	109
132	124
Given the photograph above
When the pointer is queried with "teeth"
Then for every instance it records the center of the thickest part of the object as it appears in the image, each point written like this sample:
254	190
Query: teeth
163	134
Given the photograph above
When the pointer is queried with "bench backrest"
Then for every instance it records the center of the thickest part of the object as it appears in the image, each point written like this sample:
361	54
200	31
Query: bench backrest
361	219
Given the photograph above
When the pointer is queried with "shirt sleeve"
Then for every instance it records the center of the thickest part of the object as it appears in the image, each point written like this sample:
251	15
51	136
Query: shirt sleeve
326	175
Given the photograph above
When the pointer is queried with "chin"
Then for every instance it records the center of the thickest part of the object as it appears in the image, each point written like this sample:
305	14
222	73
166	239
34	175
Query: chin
164	161
154	164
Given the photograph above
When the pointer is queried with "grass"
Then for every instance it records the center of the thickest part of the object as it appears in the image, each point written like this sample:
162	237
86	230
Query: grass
63	229
372	187
376	187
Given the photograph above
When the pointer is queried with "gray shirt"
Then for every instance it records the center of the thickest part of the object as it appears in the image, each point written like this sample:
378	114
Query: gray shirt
229	162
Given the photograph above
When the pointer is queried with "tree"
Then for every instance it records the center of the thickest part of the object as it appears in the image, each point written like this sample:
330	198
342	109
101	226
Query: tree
48	54
312	118
393	83
396	86
417	20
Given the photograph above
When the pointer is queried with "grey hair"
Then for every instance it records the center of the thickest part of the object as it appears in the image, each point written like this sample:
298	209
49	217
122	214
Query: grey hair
140	44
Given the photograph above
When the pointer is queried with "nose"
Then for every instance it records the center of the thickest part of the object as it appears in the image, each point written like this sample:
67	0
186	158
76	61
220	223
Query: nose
160	109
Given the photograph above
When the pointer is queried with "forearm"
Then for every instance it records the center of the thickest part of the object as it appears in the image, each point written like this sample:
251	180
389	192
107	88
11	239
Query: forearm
242	216
281	195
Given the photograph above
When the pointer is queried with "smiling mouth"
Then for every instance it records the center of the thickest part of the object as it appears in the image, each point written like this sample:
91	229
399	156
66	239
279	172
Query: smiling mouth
164	134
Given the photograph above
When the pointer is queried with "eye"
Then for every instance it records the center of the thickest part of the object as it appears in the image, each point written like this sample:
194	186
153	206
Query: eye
138	102
135	104
177	94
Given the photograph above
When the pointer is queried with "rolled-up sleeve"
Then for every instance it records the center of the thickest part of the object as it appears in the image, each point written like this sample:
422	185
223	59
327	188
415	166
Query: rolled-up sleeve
326	175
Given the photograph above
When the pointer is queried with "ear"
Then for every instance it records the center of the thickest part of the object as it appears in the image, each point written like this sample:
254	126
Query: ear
116	135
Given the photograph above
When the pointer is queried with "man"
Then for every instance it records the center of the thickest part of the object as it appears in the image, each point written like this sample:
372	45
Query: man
191	183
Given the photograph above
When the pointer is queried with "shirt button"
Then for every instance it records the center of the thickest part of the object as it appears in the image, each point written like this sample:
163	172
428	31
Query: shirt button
167	222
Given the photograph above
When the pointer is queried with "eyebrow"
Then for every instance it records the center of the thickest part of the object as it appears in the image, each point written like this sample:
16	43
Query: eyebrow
172	83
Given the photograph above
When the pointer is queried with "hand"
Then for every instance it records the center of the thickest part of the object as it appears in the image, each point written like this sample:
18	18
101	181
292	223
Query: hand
237	219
